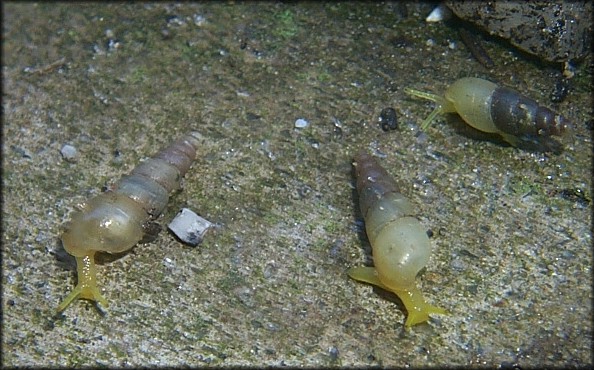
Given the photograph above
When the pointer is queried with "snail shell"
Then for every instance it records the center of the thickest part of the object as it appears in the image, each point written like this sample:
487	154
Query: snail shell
115	221
399	243
491	108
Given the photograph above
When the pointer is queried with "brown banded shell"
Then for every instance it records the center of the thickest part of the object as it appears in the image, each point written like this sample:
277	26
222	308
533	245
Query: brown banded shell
516	114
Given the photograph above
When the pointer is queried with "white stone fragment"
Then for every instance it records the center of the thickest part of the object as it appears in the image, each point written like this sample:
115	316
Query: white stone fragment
440	13
189	227
68	152
301	123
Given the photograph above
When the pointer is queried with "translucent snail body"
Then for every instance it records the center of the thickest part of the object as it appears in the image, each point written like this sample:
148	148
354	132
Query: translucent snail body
115	221
400	245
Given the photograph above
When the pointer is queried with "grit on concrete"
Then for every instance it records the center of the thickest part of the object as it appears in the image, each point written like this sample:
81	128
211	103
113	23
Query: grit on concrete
268	286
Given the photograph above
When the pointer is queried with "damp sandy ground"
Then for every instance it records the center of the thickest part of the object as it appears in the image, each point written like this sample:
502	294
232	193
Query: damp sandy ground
511	228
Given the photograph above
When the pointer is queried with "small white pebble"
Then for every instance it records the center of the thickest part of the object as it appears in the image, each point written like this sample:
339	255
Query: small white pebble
189	227
169	263
68	152
199	19
301	123
440	13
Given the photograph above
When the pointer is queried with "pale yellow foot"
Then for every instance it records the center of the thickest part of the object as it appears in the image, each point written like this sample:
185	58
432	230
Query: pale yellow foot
87	283
366	275
419	316
417	308
83	292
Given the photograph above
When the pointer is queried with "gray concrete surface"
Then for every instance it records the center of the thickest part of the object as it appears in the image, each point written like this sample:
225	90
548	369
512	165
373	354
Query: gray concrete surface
268	286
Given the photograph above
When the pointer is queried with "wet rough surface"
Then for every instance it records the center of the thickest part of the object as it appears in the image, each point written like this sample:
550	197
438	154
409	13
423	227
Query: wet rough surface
556	31
511	229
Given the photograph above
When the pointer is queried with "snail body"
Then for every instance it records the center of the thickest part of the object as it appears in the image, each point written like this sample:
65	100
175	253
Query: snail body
115	221
491	108
400	245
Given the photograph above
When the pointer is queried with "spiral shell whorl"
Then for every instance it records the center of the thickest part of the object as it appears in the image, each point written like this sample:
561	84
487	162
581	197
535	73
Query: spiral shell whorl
150	183
373	182
518	115
181	153
113	221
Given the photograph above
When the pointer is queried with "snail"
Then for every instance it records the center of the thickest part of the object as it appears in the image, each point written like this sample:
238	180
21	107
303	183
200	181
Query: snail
400	245
491	108
116	220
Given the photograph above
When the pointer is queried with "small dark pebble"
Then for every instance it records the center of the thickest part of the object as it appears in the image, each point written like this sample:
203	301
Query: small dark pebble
388	120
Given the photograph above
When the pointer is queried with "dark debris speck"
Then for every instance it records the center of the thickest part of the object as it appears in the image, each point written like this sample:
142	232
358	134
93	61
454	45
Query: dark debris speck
388	119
